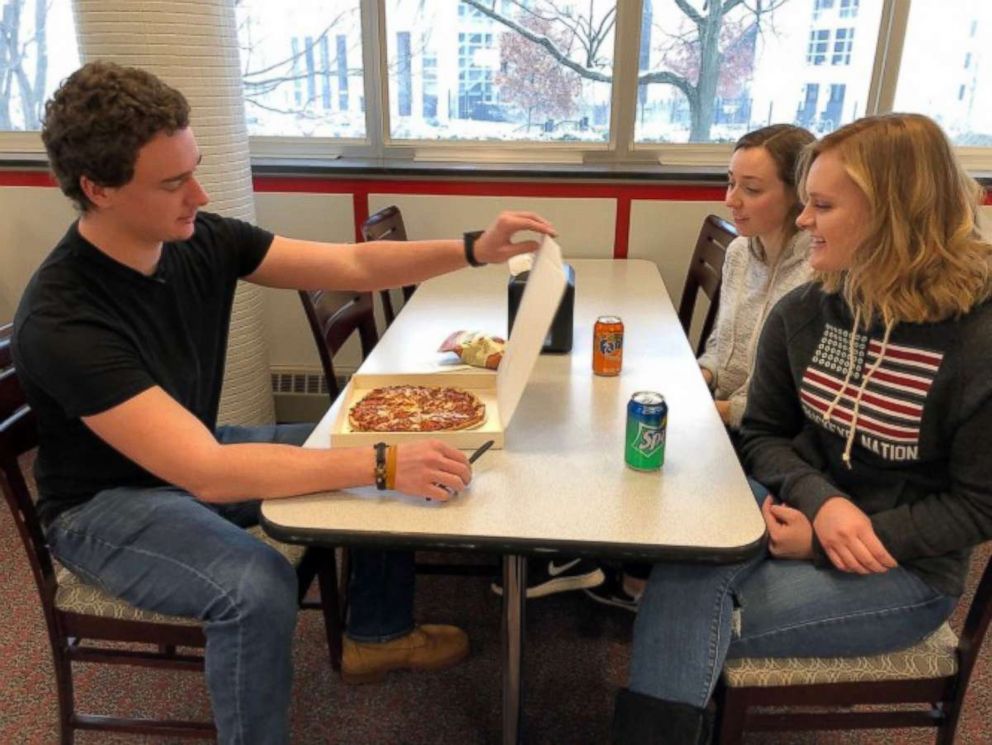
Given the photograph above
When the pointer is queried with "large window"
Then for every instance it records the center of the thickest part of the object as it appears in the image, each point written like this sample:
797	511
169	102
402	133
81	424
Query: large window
508	70
37	50
301	63
949	82
575	80
711	72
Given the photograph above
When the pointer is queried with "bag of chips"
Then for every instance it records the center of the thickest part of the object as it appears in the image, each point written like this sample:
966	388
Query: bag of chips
475	348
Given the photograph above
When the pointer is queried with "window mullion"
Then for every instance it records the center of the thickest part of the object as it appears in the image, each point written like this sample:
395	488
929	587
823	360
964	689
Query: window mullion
376	91
623	109
888	55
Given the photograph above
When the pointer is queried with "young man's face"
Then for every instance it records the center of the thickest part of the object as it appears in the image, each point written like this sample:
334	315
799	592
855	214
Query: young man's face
160	201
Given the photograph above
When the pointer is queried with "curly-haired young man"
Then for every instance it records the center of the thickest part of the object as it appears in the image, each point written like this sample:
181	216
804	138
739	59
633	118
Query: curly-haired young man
120	341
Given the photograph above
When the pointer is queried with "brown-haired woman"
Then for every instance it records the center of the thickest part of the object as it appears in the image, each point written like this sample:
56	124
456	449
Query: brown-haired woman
766	261
869	417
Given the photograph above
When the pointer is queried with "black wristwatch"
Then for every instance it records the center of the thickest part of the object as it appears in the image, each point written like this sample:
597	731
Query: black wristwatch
380	466
470	239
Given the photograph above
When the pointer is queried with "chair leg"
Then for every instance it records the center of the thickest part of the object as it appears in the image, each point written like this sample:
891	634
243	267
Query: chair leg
345	581
63	685
329	598
731	715
948	727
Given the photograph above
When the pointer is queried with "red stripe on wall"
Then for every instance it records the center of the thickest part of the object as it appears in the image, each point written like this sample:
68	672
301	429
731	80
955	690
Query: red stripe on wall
563	189
622	237
26	178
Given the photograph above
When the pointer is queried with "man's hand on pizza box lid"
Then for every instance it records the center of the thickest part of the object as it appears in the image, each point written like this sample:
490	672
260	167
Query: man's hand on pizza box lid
496	244
475	348
431	469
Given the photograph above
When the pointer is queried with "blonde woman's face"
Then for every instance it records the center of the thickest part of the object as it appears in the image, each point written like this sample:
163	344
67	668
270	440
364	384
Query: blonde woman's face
758	199
836	214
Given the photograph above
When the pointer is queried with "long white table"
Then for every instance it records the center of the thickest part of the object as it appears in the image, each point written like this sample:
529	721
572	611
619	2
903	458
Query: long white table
560	484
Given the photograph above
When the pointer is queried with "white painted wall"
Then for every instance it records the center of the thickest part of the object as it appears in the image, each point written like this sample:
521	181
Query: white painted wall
317	217
33	219
585	225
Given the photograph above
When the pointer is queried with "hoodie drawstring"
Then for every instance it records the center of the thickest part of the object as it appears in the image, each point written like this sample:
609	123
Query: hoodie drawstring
849	442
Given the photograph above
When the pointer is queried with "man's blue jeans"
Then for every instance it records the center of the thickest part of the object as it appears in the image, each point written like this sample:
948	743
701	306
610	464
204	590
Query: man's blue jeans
160	549
687	623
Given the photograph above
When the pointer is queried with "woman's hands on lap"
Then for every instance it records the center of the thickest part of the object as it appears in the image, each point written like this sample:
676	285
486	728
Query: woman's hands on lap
790	534
847	536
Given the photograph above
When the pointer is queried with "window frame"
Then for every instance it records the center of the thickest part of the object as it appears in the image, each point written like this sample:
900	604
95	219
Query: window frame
620	149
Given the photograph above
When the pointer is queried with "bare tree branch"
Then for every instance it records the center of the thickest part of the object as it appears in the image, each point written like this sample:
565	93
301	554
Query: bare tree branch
542	41
691	13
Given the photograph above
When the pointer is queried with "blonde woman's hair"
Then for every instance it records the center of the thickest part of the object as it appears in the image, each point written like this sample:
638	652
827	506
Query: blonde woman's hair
923	258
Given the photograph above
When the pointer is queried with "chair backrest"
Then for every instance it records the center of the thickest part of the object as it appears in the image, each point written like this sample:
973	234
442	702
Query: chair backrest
332	322
387	225
706	274
19	435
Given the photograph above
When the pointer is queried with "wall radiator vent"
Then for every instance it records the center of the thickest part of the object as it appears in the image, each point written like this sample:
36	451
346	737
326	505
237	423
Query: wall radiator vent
306	383
302	382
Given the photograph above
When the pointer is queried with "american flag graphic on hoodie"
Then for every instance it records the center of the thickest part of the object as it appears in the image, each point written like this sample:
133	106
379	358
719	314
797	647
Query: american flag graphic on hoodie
891	407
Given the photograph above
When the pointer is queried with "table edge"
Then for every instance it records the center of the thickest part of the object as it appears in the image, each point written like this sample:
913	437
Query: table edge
522	546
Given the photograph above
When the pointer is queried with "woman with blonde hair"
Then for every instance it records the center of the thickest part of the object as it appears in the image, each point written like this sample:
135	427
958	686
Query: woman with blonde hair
870	421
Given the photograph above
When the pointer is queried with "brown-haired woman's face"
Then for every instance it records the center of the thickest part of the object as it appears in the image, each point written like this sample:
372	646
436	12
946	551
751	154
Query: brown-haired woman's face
759	201
836	214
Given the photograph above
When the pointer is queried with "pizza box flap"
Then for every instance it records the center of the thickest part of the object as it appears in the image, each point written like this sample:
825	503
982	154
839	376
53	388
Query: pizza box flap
542	295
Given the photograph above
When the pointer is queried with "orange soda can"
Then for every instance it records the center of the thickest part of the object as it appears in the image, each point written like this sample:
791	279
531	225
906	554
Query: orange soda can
607	345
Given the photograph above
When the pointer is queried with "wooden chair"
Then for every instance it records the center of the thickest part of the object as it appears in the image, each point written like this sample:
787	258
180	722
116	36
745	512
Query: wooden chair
332	322
935	672
706	274
387	225
76	613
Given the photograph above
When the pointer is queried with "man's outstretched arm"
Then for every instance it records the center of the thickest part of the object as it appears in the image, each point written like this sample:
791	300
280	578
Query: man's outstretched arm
377	265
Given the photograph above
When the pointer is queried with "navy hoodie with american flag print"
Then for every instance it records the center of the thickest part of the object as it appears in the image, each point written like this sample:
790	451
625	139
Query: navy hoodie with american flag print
918	459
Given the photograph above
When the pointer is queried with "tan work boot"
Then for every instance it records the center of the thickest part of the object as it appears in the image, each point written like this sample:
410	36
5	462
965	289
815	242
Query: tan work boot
427	647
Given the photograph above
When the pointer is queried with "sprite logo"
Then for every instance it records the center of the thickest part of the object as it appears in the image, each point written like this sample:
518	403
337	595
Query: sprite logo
648	440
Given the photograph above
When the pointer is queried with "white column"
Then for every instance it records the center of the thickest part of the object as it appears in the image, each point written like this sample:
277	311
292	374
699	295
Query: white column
192	45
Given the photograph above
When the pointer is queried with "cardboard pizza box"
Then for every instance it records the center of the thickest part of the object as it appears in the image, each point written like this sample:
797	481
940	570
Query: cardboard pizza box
500	392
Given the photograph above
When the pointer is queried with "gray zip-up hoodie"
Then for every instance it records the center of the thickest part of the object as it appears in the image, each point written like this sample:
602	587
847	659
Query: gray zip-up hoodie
749	291
919	396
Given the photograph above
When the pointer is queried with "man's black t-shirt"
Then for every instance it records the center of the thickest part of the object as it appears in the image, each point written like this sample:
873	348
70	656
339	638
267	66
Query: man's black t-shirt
91	333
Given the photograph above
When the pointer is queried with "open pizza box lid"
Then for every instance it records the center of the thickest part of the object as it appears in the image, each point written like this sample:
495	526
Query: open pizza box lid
500	392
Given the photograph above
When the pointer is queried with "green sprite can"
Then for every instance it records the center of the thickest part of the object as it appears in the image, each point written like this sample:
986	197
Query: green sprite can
647	421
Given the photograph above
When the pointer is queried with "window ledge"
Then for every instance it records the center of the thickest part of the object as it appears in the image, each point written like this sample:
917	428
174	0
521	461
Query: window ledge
372	168
384	167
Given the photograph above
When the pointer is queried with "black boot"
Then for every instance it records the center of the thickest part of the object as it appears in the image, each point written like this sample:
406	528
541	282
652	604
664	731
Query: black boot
645	720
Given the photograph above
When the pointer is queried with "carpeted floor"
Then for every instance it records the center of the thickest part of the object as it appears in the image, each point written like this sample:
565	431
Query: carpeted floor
576	657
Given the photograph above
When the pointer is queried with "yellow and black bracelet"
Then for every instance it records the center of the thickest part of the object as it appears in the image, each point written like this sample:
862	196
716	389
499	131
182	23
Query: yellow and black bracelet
391	467
380	466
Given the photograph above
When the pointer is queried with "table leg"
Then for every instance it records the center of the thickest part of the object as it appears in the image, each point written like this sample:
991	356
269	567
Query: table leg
514	597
